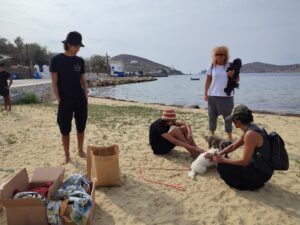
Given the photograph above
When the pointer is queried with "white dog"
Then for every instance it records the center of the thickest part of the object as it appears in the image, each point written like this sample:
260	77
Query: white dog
201	163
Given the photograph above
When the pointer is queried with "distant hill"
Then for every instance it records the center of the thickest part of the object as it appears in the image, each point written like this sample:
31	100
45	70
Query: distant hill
258	67
133	63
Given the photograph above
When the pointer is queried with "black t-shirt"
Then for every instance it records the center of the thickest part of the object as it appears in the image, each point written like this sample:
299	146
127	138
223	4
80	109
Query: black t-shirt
69	70
157	128
3	79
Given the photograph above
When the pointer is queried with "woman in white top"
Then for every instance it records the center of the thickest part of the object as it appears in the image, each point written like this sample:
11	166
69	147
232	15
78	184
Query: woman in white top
219	103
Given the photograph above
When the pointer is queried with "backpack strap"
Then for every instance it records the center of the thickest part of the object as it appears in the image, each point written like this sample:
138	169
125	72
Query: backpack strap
260	159
259	130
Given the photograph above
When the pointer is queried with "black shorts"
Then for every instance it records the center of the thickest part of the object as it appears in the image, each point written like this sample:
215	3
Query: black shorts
4	92
66	110
163	147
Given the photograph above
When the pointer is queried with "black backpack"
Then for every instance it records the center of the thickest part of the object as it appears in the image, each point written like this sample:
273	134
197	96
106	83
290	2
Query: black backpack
279	155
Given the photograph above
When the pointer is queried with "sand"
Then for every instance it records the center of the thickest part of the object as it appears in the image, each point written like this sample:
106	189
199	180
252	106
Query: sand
29	137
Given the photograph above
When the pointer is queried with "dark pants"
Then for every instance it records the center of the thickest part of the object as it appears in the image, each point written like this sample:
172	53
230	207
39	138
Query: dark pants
219	106
4	91
66	111
242	177
163	147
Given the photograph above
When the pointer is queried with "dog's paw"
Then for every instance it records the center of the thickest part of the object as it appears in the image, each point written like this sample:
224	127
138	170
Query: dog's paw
192	174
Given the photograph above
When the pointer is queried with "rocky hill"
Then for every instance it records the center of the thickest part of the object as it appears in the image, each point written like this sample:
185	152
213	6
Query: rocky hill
133	63
258	67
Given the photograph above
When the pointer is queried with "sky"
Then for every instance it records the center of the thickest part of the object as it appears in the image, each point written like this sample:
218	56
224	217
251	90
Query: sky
179	33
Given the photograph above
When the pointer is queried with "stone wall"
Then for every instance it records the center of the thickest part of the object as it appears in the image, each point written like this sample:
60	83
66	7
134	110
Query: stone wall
42	90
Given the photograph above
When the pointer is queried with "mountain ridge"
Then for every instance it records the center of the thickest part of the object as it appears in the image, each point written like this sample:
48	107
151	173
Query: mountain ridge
134	63
259	67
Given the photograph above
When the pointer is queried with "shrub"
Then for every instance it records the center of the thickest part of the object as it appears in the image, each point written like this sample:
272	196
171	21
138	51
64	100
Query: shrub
29	98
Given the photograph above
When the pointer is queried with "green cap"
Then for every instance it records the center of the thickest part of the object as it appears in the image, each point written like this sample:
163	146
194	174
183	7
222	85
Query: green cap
240	109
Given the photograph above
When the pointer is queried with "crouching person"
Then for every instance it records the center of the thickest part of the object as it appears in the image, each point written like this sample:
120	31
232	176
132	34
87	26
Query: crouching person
163	140
247	173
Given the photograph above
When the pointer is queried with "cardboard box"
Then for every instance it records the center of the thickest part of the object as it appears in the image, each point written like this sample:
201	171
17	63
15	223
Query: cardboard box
91	215
29	211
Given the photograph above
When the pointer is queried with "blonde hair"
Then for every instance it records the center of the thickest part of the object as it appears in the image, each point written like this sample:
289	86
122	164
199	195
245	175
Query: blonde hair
221	50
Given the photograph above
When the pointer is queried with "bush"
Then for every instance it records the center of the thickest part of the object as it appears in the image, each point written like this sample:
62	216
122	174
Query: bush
29	98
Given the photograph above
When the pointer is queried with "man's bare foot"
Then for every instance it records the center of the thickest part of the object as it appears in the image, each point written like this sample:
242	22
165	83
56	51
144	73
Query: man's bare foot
66	161
82	154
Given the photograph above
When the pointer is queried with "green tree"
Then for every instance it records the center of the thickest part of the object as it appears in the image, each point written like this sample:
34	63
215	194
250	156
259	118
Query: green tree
21	50
38	55
97	61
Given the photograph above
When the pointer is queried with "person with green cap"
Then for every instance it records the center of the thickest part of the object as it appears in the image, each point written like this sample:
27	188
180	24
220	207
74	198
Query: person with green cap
247	172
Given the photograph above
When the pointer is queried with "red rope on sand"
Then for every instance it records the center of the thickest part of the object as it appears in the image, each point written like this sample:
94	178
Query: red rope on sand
173	186
160	168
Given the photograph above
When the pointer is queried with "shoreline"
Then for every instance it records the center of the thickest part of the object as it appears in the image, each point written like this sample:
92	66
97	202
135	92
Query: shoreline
266	112
113	81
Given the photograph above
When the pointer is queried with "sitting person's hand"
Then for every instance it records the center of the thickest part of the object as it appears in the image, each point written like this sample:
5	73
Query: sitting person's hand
190	139
208	156
217	158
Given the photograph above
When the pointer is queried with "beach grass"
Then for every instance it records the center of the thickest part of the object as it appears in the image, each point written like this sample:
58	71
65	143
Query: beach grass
115	116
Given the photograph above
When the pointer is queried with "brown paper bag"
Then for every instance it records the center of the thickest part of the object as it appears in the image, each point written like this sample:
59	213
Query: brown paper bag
103	165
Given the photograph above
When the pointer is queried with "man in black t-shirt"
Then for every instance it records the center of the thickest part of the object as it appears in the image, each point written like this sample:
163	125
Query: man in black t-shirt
70	88
4	87
162	140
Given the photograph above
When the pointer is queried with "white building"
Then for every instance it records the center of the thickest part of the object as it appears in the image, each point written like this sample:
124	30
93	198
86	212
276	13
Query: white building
116	67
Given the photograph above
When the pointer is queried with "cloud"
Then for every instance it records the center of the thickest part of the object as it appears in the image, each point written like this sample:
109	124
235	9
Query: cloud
171	32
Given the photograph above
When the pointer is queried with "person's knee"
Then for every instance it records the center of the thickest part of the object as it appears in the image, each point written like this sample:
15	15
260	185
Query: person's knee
224	170
80	130
212	124
65	132
184	129
175	131
80	125
64	129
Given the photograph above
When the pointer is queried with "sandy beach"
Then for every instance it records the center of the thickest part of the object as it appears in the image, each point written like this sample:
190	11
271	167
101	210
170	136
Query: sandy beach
29	137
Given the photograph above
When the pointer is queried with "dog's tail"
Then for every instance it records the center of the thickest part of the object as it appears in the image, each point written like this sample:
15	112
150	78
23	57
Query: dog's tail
192	174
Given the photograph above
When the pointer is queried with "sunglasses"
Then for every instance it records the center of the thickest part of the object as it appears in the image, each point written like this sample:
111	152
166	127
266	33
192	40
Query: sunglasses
219	54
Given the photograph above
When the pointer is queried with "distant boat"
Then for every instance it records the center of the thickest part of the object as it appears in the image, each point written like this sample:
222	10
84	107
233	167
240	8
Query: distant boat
195	78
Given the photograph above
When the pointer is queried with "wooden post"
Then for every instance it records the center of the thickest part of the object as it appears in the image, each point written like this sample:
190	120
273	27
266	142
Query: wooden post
28	61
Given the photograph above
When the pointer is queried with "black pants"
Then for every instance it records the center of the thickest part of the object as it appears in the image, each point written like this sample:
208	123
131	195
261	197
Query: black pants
4	91
66	111
242	177
163	147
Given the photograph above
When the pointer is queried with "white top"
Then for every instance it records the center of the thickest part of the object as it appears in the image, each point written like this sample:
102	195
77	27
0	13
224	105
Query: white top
219	80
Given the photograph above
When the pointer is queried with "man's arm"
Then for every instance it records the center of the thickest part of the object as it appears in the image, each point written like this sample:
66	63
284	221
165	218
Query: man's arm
177	142
54	85
10	81
250	142
179	123
230	74
207	84
188	127
84	85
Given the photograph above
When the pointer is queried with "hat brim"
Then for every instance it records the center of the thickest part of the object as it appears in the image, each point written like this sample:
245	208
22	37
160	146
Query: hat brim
66	42
229	117
168	119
